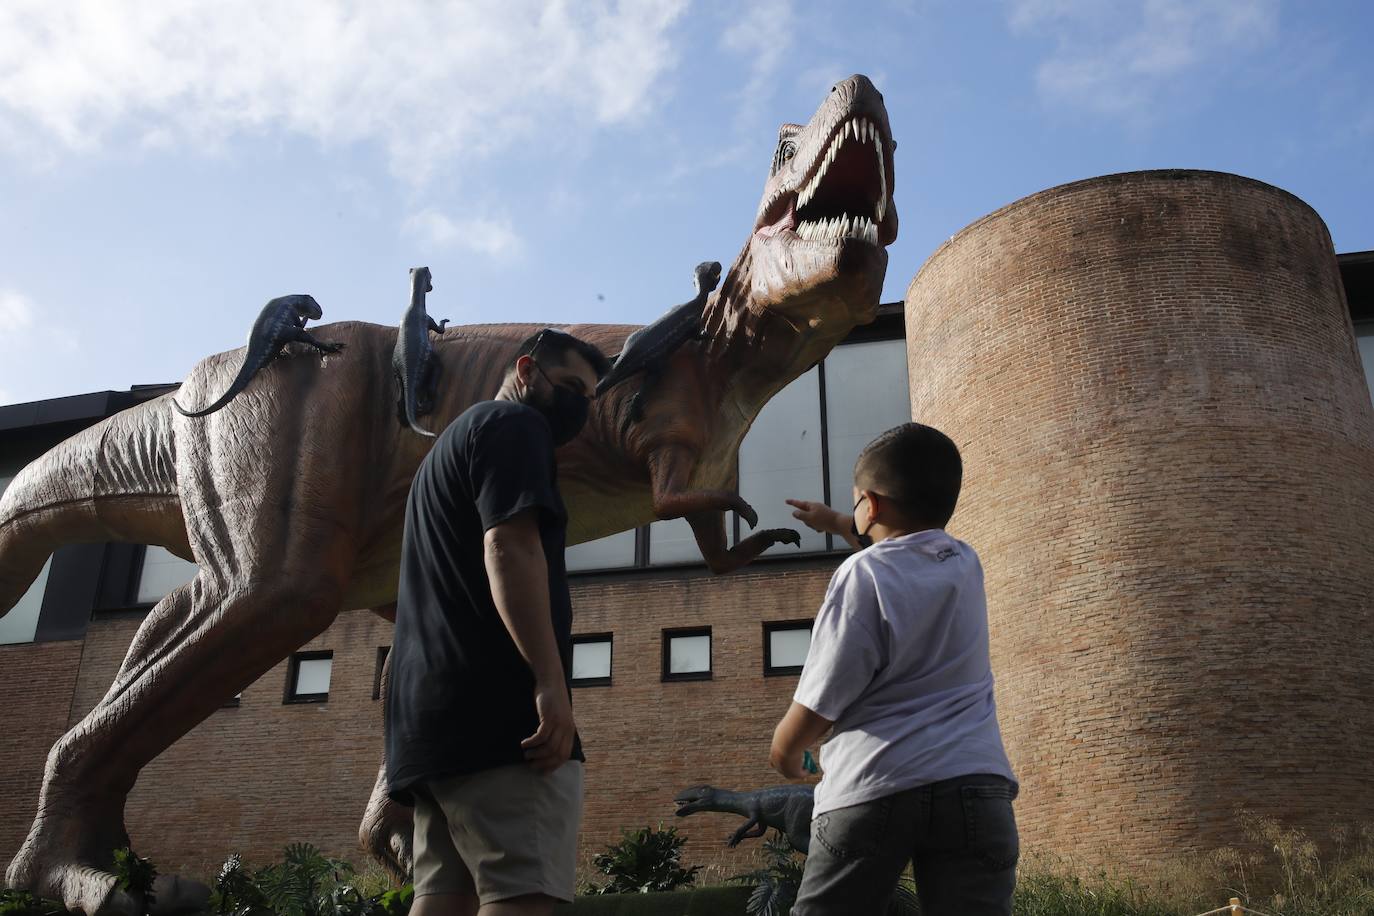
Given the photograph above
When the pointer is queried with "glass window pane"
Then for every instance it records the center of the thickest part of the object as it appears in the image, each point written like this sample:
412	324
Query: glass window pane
591	659
611	552
858	408
21	623
689	654
672	541
788	648
162	572
1364	334
312	675
781	458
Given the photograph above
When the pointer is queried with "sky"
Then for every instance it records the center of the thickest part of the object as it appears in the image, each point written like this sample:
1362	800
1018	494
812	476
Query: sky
166	167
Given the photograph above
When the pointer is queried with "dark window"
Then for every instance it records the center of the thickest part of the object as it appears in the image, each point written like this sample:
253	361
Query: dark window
233	702
377	675
591	660
687	654
307	677
785	644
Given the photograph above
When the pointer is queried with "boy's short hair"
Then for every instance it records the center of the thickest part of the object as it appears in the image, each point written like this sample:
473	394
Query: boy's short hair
555	345
915	466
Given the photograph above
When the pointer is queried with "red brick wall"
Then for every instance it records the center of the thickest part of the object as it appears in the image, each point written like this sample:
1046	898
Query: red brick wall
36	684
1169	473
253	778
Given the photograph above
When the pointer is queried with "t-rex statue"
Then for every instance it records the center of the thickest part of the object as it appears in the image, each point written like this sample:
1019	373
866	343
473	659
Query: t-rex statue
786	808
291	499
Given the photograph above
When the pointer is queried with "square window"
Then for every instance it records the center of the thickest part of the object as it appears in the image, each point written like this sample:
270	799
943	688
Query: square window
382	653
161	572
785	644
307	677
687	654
591	660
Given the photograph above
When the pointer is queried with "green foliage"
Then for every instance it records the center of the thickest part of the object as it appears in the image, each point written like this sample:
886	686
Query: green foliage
304	883
704	901
135	875
644	861
22	903
776	883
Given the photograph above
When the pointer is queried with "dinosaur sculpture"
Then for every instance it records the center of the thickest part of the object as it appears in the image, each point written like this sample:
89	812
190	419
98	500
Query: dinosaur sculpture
786	808
281	322
648	349
413	362
292	503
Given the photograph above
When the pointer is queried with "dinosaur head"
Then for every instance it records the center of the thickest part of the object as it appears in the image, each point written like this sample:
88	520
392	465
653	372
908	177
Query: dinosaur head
818	252
690	801
303	305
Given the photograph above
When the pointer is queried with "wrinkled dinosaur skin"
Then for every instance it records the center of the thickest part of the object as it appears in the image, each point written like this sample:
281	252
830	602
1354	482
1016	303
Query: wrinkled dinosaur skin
786	808
292	501
281	322
413	361
648	349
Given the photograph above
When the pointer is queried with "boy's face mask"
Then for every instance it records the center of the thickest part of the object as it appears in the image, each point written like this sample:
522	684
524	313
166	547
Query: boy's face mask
864	539
566	412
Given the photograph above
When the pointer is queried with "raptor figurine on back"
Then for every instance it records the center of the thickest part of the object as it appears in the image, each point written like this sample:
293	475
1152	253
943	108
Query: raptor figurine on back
292	504
413	362
281	321
647	350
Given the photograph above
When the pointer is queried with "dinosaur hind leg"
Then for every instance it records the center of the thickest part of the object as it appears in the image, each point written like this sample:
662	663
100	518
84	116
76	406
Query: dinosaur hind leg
201	644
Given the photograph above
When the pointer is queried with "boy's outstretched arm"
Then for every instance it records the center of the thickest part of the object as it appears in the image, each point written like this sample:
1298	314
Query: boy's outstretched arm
799	729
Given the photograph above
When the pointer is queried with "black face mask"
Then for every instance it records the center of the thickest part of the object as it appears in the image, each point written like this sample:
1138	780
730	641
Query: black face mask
862	536
566	413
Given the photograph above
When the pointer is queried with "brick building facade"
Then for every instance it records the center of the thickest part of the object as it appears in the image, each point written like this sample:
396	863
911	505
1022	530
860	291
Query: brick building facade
1093	349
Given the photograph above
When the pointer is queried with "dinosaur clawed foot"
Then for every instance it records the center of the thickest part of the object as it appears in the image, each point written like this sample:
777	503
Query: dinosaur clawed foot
782	536
81	886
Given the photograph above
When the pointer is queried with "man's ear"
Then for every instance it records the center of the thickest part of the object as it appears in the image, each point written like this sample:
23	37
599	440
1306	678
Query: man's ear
524	369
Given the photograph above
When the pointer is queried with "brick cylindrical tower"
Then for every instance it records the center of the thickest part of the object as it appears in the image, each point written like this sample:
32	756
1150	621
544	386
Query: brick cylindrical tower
1169	475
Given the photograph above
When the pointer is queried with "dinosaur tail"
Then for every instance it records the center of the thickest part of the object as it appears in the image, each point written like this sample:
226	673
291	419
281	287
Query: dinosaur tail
245	375
114	481
411	417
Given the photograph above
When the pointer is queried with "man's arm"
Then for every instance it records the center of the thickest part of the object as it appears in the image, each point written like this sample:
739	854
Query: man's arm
519	578
799	729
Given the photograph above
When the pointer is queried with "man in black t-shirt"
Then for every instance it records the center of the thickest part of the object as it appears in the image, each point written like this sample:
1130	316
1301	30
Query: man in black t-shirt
480	735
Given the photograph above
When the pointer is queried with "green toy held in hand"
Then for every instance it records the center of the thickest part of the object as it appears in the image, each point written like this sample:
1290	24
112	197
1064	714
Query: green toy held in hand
809	763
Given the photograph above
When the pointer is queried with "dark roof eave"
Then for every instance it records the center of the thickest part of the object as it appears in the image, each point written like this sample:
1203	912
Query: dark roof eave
76	408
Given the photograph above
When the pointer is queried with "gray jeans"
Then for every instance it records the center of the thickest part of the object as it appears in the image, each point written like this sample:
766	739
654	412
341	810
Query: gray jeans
959	834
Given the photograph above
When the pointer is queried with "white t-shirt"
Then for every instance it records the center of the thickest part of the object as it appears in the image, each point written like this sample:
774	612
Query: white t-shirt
899	661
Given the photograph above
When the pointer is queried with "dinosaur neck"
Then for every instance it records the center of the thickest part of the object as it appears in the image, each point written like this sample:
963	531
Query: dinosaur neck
730	802
756	349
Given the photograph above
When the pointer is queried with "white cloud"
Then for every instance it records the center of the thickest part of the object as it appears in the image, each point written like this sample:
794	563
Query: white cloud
493	237
431	82
762	32
1121	58
16	315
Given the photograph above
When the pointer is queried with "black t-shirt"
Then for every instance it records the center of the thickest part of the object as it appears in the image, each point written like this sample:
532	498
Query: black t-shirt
461	697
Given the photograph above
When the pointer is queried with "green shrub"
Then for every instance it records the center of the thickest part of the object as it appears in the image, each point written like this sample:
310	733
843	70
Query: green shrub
644	861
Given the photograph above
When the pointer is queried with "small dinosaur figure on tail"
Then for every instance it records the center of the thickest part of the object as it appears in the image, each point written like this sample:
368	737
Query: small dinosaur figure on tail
647	350
413	359
282	321
785	808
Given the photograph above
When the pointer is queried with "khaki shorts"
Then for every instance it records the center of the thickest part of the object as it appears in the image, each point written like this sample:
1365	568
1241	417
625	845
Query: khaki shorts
499	833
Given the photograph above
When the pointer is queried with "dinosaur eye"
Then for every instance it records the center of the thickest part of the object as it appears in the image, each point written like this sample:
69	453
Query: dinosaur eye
786	150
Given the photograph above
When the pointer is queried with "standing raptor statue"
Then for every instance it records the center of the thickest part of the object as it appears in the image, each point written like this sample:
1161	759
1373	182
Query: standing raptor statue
282	321
292	503
412	361
647	350
786	808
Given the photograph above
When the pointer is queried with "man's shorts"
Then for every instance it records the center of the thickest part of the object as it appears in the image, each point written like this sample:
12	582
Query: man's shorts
499	833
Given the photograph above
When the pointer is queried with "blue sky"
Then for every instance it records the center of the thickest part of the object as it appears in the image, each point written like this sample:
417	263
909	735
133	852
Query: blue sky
167	167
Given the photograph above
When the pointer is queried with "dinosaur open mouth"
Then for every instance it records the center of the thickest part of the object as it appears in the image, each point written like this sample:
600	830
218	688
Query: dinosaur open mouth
844	194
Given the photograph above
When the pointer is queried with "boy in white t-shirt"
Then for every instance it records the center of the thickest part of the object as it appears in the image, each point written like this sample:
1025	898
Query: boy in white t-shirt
915	769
